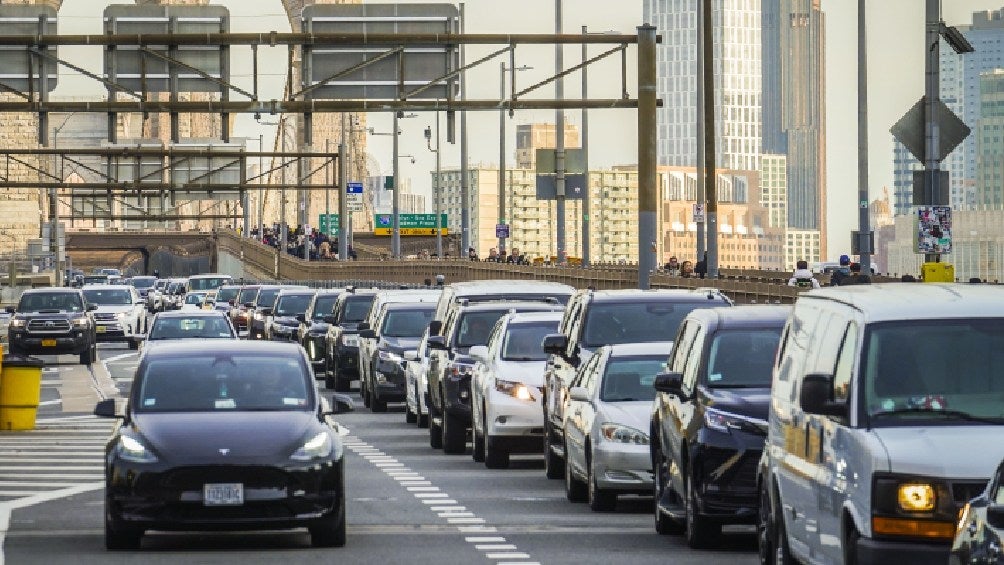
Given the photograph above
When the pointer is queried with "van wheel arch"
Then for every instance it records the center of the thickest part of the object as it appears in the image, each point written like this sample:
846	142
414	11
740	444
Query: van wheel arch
849	536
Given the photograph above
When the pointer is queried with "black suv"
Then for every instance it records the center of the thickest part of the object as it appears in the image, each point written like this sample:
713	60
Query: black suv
709	420
593	319
51	321
313	328
465	325
342	339
397	328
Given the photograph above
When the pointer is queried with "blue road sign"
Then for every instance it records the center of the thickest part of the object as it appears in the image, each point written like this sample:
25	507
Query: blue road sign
354	188
502	231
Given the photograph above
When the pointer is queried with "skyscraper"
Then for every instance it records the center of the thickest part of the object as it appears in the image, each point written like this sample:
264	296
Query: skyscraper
794	110
737	81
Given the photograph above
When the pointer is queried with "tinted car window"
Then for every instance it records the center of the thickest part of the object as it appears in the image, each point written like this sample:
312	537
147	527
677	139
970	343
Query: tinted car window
195	298
226	294
266	297
108	296
406	323
356	308
475	327
524	342
60	301
208	283
204	383
324	306
634	322
292	304
143	282
177	327
631	378
247	295
742	358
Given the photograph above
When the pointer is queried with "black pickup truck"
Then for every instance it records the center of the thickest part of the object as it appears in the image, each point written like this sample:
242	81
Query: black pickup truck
52	321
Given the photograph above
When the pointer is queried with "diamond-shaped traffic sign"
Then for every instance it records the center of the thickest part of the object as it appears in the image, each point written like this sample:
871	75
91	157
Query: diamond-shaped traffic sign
910	130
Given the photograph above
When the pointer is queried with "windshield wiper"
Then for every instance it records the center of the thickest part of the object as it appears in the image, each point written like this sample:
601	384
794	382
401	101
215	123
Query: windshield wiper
958	414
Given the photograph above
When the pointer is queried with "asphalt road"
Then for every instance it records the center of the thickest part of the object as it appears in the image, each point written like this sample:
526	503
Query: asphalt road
406	502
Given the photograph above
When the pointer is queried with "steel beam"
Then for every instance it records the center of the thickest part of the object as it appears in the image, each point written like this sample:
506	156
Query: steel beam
309	106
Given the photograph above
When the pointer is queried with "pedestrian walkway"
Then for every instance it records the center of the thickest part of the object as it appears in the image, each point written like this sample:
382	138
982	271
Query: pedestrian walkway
62	452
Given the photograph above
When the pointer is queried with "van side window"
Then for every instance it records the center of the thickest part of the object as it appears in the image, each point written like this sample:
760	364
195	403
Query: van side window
842	375
693	359
782	371
681	347
830	334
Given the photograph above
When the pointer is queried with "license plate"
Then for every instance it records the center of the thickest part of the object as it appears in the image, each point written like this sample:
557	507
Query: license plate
100	329
48	343
223	494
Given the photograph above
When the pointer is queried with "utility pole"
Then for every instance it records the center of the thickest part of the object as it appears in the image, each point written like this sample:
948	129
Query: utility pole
932	91
710	173
502	214
343	244
327	189
648	188
701	133
261	193
559	135
864	223
585	155
395	238
465	183
283	227
437	186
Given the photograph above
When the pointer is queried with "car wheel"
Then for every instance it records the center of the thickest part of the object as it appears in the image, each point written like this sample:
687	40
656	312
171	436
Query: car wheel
422	419
701	532
133	344
435	431
553	465
330	381
409	416
330	532
599	500
575	489
782	553
478	441
119	537
765	529
495	456
664	525
454	435
364	392
85	356
851	546
377	404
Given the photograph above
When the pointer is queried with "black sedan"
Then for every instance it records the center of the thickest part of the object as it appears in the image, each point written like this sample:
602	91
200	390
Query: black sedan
224	435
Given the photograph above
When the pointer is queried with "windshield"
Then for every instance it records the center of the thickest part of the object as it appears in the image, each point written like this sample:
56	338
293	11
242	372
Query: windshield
143	282
99	279
356	308
247	295
194	298
161	284
933	370
54	301
406	323
743	358
475	327
524	342
176	327
226	294
292	304
111	271
225	383
208	283
266	297
628	379
324	306
613	323
108	296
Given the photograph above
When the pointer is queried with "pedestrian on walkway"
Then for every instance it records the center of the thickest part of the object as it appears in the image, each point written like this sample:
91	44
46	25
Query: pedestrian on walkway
802	277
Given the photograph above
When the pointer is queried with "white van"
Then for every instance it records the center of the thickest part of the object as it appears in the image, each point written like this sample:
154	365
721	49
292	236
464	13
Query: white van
885	419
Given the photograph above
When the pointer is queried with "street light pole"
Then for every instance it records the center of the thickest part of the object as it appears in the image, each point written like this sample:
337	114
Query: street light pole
864	223
436	187
502	214
559	134
585	155
395	241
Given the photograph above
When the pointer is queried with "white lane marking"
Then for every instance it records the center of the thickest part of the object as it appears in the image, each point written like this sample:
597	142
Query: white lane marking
67	476
495	547
466	520
417	494
47	468
422	489
51	402
477	539
30	483
512	555
478	529
456	514
97	461
7	507
448	508
119	357
415	483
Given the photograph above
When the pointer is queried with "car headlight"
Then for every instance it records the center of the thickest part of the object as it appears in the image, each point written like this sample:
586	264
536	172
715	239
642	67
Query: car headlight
131	449
316	447
390	357
121	315
623	434
913	507
725	422
517	390
18	323
916	497
258	316
81	321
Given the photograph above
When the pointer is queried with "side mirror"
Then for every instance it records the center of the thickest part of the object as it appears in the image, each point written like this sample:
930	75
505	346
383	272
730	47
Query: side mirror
342	403
437	342
995	515
92	307
329	319
479	353
302	318
816	396
106	409
9	309
367	334
363	326
670	383
579	394
555	344
435	327
411	355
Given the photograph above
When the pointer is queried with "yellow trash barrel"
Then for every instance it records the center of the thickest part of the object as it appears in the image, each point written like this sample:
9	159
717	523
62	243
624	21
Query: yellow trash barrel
20	392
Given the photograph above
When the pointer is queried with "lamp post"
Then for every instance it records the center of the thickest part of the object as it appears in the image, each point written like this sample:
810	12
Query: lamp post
502	144
436	187
395	241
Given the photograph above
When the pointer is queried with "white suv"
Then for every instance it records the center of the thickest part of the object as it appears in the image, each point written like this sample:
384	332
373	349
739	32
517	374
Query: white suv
886	413
121	312
507	387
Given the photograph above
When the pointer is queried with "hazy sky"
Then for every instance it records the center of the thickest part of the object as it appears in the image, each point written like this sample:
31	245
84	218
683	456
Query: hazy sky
896	72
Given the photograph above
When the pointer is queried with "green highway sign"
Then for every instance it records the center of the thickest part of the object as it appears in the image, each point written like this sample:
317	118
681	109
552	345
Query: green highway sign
411	224
323	221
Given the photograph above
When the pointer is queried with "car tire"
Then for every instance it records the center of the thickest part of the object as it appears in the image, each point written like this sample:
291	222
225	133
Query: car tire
851	546
782	553
330	381
422	420
330	532
377	404
90	355
133	344
119	537
701	533
409	416
599	500
478	444
765	529
664	525
454	435
553	465
495	456
575	489
364	392
435	432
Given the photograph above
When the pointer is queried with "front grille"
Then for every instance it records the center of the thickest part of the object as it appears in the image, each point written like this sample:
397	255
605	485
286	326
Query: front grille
964	491
193	478
49	325
730	476
105	317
